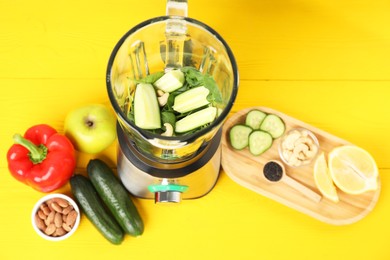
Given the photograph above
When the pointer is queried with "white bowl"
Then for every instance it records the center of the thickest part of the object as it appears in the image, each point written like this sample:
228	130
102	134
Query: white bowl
37	207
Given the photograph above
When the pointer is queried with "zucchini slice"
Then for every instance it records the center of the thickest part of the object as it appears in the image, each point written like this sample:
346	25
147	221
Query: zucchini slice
254	118
239	136
191	99
146	108
273	125
170	81
195	120
259	142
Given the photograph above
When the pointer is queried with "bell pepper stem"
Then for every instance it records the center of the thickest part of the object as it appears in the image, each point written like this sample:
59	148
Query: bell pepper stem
37	153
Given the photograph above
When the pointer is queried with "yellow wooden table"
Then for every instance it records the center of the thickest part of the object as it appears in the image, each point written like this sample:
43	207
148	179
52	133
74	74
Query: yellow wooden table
326	63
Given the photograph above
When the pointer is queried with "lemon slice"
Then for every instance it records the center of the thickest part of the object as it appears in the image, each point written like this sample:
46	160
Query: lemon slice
353	169
323	179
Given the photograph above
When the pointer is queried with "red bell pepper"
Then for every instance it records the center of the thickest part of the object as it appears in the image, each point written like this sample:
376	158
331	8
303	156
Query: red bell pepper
42	159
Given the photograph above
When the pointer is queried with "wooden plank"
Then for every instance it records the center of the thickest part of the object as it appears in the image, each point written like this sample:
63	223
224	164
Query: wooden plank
352	110
305	40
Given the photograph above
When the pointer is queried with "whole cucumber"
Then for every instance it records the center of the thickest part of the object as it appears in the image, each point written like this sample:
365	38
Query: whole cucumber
93	208
115	196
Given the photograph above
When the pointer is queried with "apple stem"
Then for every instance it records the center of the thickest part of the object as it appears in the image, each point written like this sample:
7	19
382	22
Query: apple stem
89	122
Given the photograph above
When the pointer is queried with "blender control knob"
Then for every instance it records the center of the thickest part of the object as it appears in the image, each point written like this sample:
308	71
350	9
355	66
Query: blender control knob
167	196
167	192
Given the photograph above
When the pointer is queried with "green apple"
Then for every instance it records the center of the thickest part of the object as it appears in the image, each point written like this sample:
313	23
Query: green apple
91	128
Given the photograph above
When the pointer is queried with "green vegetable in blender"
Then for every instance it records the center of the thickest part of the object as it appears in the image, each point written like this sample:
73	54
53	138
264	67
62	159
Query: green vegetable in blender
195	78
191	99
168	117
170	81
195	120
150	79
175	97
146	109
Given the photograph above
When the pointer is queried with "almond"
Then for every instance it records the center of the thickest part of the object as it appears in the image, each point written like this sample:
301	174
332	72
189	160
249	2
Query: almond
66	227
45	209
66	210
62	202
58	220
41	215
40	223
56	207
71	219
60	231
50	218
50	229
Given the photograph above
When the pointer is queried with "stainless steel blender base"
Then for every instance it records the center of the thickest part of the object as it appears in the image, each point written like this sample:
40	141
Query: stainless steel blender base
200	176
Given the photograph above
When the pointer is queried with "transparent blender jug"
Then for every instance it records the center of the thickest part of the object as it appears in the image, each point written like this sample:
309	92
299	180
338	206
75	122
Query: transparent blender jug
164	43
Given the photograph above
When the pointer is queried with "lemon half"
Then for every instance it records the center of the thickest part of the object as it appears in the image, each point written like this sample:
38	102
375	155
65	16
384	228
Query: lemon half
353	169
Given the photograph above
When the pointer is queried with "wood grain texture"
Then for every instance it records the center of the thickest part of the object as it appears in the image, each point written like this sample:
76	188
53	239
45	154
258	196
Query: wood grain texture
246	169
324	62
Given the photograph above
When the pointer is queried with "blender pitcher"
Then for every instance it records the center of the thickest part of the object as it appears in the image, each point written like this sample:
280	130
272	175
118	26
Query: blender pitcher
152	165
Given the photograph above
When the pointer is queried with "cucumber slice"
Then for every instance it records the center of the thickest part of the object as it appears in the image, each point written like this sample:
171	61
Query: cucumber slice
254	118
273	125
195	120
239	136
172	80
191	99
259	142
146	109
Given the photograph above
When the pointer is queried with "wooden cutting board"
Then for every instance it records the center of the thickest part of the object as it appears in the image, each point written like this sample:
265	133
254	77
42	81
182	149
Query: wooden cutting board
246	169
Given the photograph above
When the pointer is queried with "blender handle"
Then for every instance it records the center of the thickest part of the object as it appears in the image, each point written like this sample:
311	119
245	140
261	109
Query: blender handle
175	33
177	8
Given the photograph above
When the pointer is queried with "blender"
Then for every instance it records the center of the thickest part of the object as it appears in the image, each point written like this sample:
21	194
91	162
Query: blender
169	168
